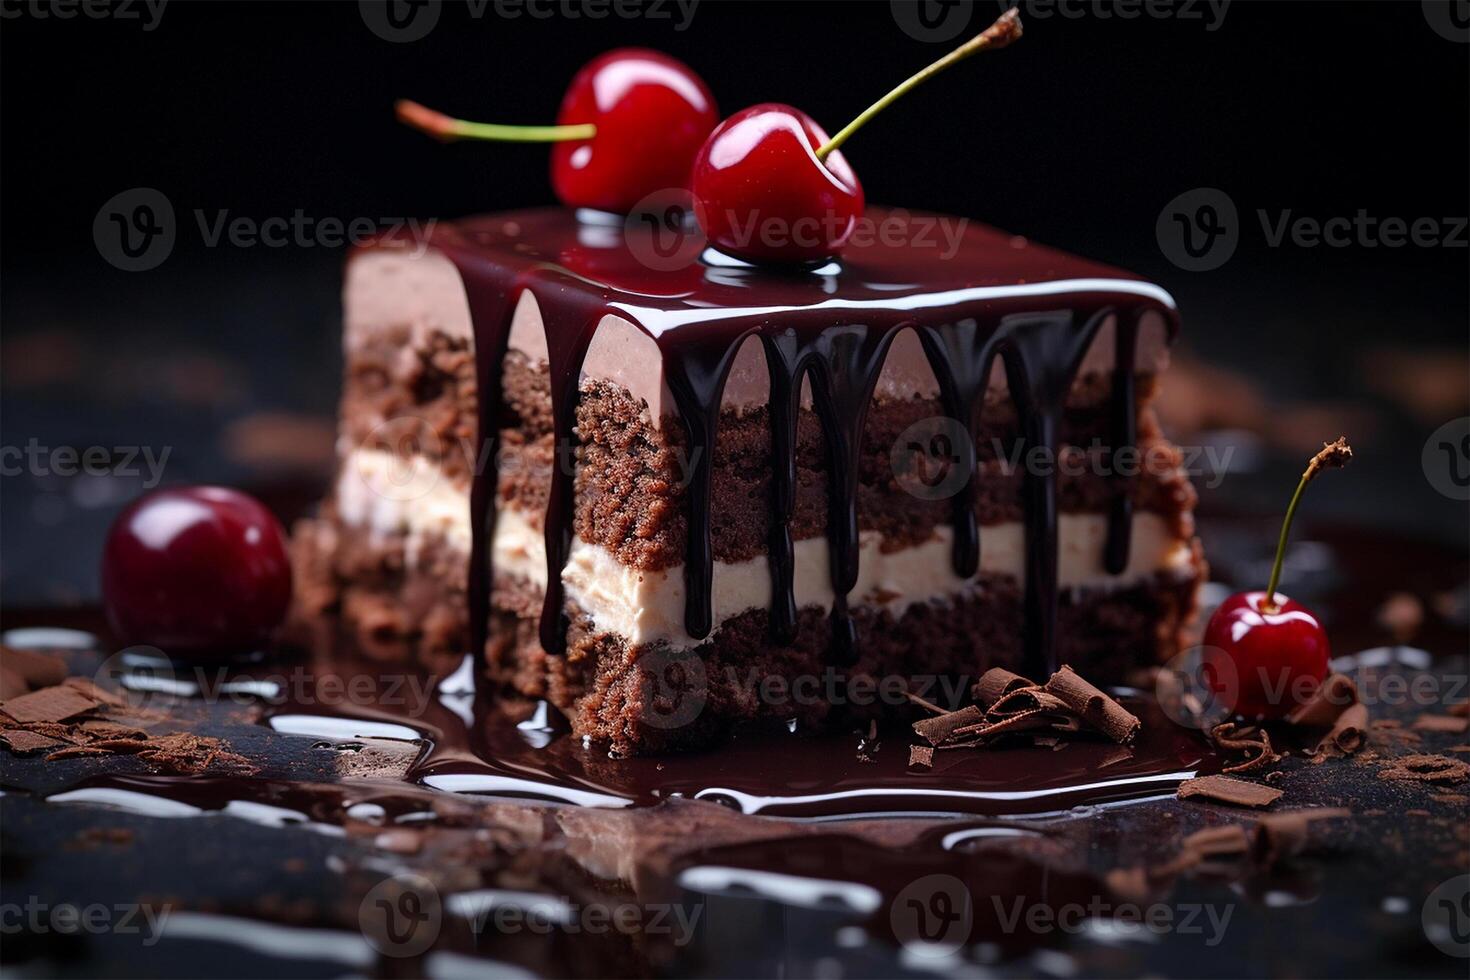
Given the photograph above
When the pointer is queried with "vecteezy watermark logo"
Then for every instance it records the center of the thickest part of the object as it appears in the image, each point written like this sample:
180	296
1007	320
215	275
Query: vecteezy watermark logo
1122	919
1198	687
403	21
933	21
660	231
673	686
400	21
1450	19
1199	230
938	21
933	458
1446	917
1211	13
135	230
147	12
1446	459
39	460
401	916
35	916
932	916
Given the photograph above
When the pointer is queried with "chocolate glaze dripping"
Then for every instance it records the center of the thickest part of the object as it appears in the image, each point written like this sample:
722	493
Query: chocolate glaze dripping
698	386
846	364
1041	357
1125	433
960	356
833	328
785	378
565	358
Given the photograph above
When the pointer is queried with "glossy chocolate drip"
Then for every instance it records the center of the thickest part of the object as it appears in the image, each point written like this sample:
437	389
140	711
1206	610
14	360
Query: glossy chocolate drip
960	356
1036	309
1041	357
785	379
1125	434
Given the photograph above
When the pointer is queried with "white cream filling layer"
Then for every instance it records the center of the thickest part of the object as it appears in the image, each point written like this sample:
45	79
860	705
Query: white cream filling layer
411	498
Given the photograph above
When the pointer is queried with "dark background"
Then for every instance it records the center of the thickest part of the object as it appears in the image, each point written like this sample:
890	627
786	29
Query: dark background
1078	137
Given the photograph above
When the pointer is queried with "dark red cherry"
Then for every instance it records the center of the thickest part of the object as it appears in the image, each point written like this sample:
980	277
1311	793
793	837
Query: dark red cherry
1263	659
630	126
760	193
652	115
196	571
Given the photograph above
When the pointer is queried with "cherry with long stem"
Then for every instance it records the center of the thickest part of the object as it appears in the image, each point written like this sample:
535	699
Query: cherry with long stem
1333	455
1004	31
448	129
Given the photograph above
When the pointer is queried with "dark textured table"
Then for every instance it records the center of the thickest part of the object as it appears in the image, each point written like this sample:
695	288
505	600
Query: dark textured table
327	861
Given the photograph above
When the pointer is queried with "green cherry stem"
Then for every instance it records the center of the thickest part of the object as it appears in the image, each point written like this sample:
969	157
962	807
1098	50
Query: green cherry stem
449	129
1003	32
1333	455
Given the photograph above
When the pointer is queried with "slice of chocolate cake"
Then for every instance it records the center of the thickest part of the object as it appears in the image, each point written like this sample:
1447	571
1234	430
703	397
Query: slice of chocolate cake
673	494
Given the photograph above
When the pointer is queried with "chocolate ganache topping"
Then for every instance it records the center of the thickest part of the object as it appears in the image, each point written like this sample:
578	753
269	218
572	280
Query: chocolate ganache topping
985	296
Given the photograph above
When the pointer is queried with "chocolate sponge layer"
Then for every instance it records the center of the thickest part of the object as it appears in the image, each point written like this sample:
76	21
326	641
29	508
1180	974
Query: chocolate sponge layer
631	474
651	698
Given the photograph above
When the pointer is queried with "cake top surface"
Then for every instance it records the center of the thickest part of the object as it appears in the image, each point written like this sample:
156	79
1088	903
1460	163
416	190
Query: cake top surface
663	275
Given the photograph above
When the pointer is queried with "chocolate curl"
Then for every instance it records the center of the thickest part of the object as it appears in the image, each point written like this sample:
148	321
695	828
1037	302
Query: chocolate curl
1349	732
1333	696
1093	706
1283	835
996	683
1252	741
941	729
1025	700
1021	721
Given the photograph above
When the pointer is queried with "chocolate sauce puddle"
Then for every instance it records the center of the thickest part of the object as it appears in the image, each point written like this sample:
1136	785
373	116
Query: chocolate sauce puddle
1036	309
515	750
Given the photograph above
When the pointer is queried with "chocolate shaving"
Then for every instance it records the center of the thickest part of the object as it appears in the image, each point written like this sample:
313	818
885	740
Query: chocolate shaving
23	742
1025	700
995	684
941	729
48	704
1223	789
1333	696
1253	741
921	755
1283	835
1437	769
1009	704
1093	706
35	668
1226	841
1442	723
1349	732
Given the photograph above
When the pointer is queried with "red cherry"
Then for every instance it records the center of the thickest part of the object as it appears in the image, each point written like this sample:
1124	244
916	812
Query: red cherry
652	115
630	125
1275	655
1264	653
196	570
760	192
